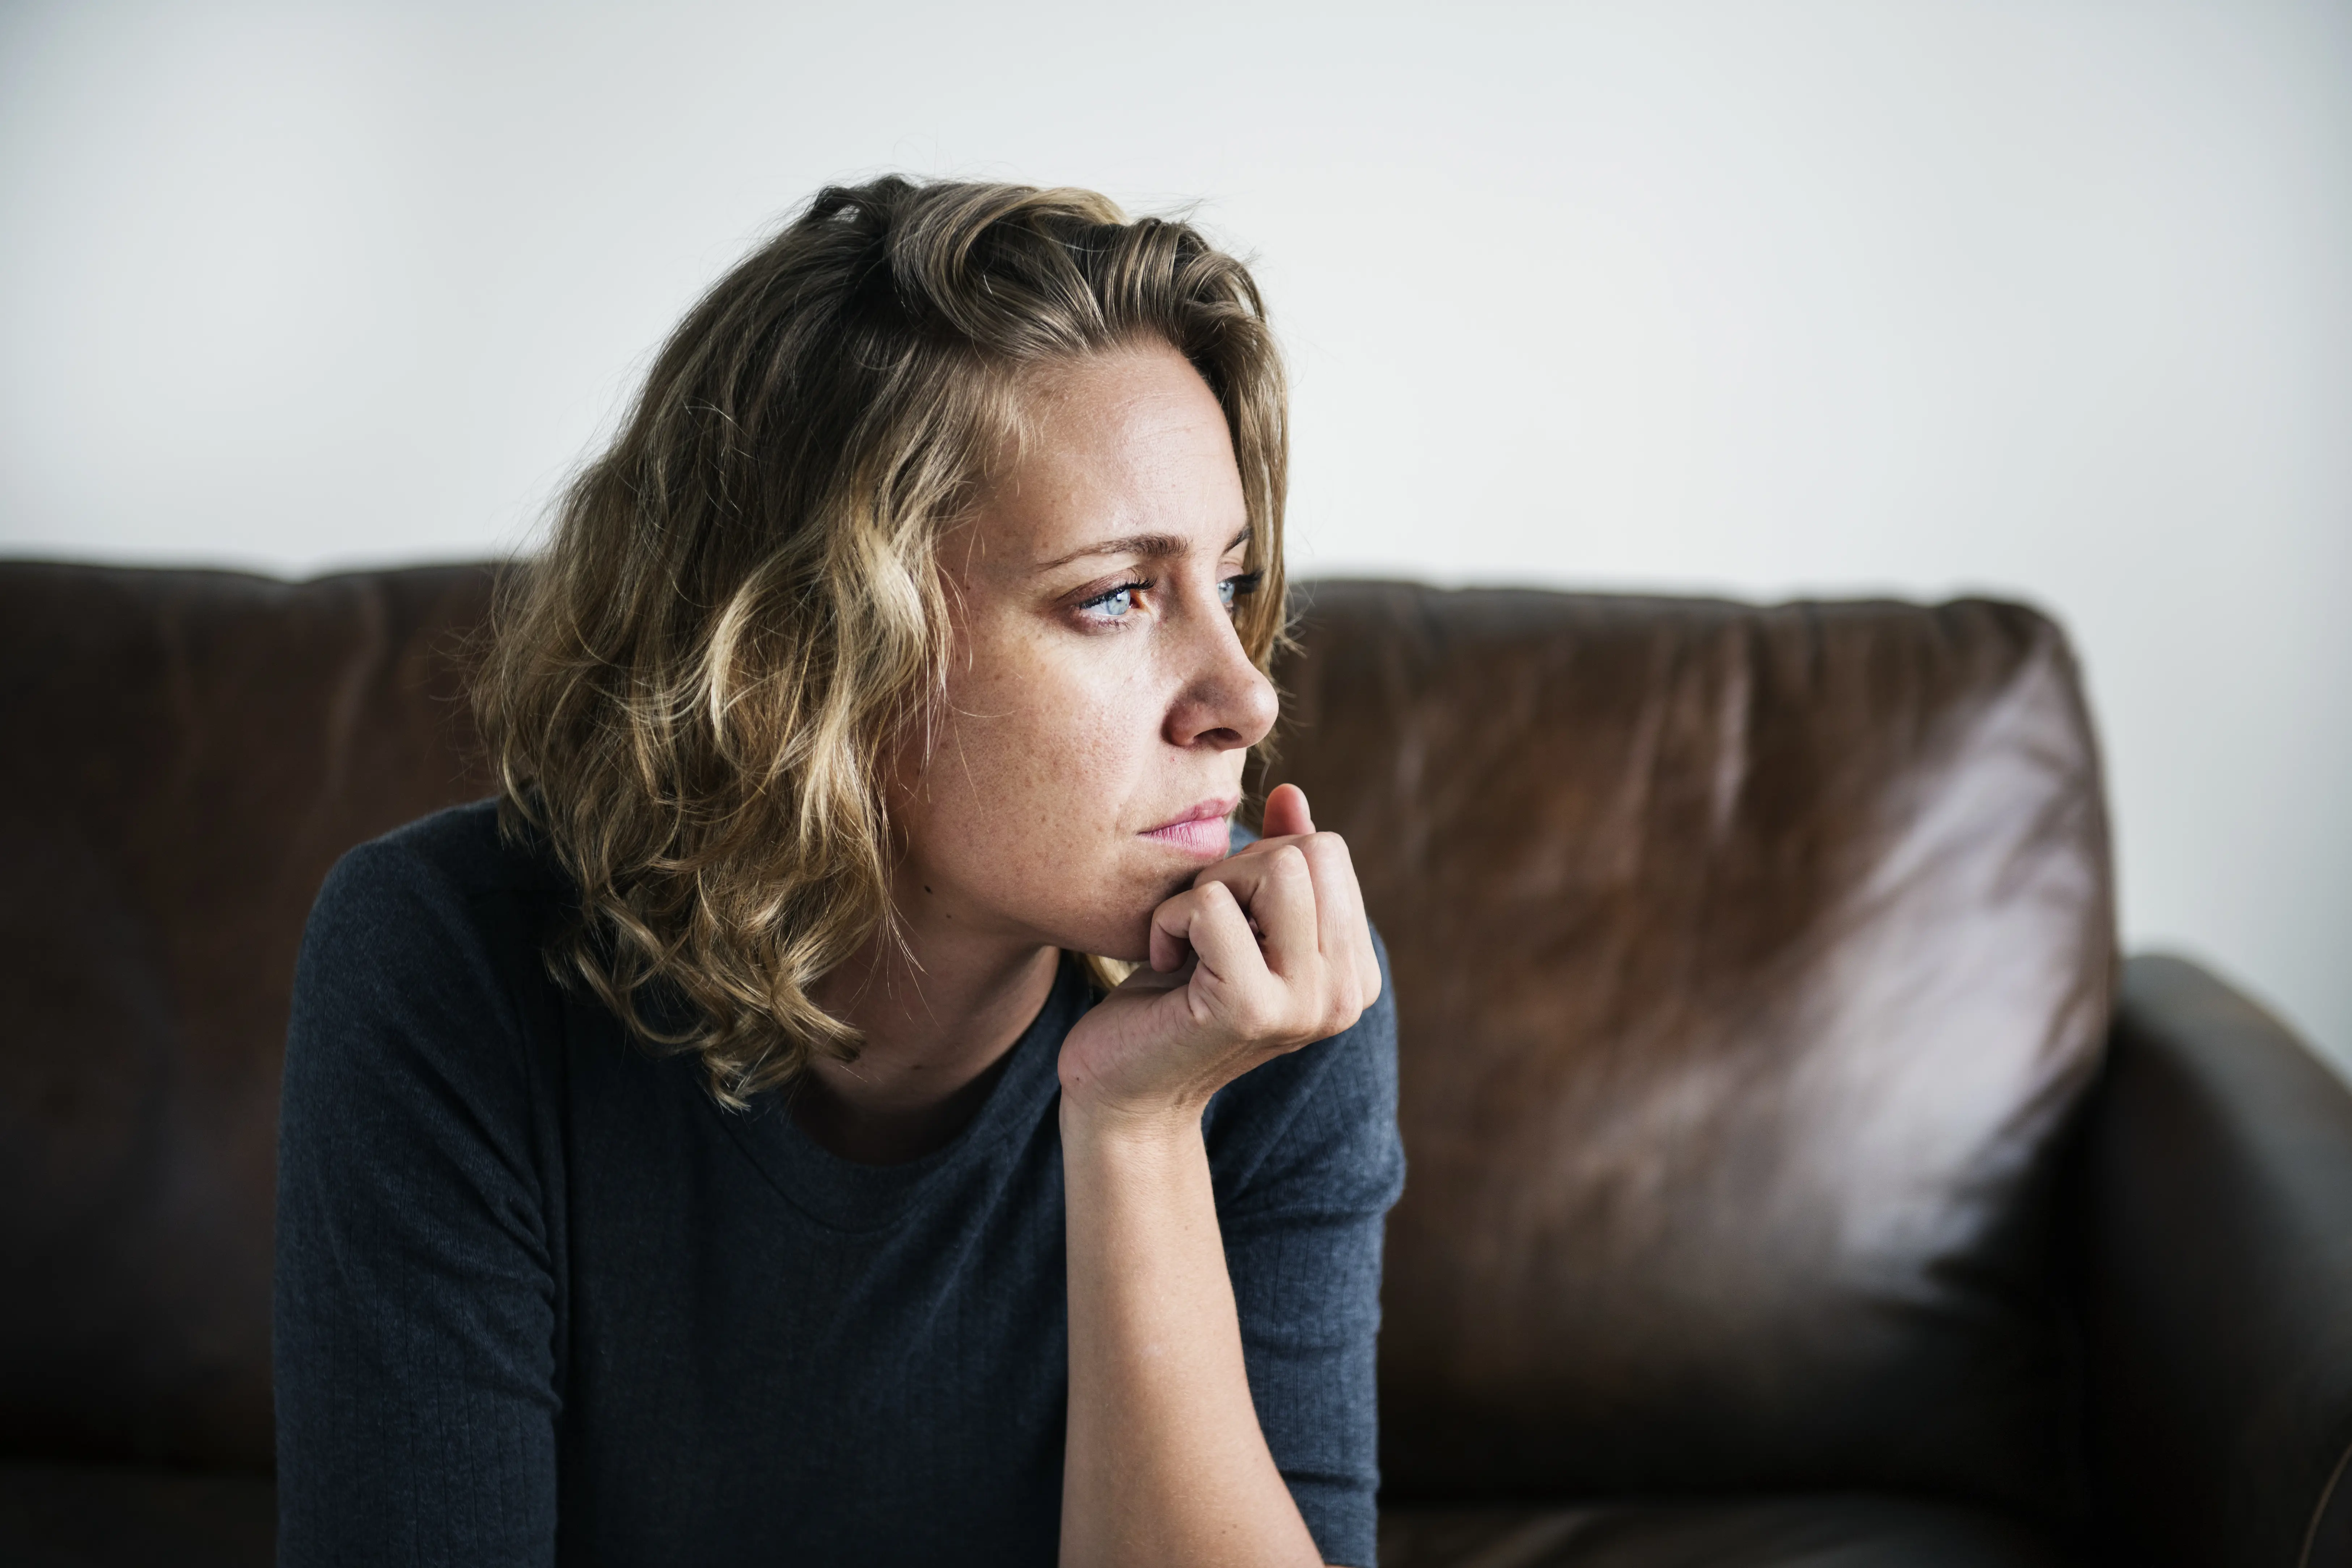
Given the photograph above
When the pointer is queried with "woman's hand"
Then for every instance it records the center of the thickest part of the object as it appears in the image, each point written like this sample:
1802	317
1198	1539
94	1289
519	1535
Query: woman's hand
1267	951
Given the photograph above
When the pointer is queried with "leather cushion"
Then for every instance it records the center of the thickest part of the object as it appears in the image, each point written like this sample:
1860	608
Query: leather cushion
69	1516
187	753
1836	1531
1748	961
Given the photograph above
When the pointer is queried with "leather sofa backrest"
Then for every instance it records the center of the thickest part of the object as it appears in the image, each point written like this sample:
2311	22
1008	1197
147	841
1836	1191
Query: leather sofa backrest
1747	962
185	753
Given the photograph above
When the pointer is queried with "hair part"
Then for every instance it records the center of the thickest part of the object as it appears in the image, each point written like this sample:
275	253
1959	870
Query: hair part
693	693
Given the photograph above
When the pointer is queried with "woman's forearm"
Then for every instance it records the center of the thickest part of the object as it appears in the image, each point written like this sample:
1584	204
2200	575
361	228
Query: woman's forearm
1165	1461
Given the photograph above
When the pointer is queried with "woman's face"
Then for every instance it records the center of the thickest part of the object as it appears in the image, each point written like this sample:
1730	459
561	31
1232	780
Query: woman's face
1099	706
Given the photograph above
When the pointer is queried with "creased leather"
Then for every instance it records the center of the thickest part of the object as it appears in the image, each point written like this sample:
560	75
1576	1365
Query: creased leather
1748	961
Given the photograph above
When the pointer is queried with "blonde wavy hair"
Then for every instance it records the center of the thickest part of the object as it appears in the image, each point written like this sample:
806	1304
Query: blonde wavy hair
692	694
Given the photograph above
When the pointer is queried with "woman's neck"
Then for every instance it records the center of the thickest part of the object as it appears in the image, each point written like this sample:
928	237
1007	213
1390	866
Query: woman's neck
939	1018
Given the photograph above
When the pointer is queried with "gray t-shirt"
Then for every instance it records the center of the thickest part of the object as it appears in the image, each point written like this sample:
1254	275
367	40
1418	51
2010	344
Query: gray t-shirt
540	1300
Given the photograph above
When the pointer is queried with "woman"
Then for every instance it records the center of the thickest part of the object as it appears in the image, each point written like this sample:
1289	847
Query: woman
717	1149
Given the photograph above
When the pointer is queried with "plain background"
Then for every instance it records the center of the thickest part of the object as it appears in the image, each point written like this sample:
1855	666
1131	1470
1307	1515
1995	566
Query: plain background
2051	300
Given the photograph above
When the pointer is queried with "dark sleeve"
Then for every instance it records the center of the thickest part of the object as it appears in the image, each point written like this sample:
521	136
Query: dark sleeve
1307	1164
415	1308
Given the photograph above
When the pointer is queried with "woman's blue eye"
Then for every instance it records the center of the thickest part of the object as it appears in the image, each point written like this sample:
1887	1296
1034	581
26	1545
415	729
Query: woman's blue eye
1116	603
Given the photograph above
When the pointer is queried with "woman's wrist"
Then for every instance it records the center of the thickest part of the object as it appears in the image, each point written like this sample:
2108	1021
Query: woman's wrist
1089	1122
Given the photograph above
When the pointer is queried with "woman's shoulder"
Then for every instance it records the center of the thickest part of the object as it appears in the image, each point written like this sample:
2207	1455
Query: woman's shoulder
459	872
446	915
465	851
417	1070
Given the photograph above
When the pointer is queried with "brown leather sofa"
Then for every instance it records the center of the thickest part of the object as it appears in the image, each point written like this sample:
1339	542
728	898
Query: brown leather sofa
1788	1184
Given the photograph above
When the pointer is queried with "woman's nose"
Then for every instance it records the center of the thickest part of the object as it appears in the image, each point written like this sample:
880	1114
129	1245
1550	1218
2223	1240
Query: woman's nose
1226	701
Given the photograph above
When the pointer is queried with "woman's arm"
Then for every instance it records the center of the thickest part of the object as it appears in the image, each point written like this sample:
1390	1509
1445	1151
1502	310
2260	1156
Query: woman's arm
1166	1462
414	1290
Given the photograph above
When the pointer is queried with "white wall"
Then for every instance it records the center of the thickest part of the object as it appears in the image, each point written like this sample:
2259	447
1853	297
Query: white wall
2053	300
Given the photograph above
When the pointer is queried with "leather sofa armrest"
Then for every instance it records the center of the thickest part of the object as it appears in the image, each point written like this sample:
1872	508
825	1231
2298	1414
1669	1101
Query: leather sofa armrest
2216	1209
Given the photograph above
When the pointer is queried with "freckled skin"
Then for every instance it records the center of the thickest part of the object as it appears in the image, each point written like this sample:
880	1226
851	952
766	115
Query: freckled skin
1071	731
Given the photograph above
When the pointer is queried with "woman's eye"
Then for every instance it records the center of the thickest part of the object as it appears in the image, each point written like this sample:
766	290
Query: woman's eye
1235	589
1114	605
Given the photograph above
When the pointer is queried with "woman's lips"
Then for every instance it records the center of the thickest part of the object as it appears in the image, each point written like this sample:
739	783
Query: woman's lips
1206	832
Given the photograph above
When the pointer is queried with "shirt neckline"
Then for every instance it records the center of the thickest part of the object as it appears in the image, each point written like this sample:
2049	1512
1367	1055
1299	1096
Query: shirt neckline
843	1195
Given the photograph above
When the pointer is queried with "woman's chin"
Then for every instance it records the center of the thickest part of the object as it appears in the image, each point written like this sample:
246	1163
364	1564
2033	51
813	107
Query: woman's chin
1122	932
1130	943
1108	910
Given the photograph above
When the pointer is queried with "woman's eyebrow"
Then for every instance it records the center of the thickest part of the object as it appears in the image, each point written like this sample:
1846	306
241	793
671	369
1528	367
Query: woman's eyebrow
1151	546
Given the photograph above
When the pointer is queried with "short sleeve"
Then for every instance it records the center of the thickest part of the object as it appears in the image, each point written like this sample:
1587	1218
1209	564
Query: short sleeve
415	1307
1307	1163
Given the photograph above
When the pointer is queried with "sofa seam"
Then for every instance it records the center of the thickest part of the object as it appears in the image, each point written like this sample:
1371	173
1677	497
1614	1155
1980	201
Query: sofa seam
2319	1509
